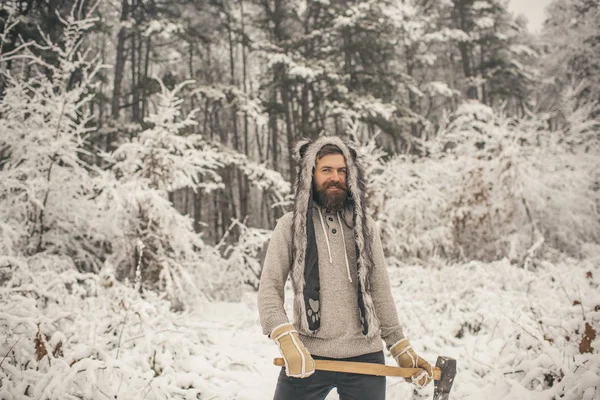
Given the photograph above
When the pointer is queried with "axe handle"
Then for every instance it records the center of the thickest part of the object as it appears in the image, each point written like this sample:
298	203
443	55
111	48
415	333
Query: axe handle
364	368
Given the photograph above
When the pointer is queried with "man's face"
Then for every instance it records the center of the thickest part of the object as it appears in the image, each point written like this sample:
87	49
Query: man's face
330	181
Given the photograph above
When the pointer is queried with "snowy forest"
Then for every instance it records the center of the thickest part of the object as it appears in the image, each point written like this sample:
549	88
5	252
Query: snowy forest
146	155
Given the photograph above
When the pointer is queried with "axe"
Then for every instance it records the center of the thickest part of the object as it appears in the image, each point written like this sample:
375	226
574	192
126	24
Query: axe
443	373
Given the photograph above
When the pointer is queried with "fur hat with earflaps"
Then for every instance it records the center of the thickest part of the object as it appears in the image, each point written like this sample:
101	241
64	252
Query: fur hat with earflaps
305	268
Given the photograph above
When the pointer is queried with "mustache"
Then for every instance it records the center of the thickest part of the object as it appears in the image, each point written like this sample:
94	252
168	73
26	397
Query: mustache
338	185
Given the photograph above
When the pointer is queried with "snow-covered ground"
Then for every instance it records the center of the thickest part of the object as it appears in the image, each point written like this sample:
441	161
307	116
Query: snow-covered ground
507	328
250	354
517	334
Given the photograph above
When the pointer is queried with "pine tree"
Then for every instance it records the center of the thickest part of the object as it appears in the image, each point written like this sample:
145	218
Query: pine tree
48	191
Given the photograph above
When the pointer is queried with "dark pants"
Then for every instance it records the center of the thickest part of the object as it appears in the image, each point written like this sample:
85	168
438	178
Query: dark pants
349	386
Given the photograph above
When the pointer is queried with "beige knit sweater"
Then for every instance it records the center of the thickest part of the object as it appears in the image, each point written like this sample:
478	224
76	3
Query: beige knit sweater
340	334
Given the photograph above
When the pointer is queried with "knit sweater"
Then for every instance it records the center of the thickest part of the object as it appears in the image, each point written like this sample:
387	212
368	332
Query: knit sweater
340	334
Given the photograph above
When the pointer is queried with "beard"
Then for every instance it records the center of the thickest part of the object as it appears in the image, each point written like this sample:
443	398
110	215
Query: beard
334	200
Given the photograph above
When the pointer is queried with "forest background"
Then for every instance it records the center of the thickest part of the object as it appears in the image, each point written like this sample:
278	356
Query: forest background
146	153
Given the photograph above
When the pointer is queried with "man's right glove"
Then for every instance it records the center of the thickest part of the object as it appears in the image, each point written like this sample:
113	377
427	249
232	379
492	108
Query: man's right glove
298	361
406	357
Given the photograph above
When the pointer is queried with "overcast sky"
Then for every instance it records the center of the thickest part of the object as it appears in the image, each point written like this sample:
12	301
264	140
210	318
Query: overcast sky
533	10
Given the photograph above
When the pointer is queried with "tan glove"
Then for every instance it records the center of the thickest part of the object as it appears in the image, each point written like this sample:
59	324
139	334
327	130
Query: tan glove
298	361
406	357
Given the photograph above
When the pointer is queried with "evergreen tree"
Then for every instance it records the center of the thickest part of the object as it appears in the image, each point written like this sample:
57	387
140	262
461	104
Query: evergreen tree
49	193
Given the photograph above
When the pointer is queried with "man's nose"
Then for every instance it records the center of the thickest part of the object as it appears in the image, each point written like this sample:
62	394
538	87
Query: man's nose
335	176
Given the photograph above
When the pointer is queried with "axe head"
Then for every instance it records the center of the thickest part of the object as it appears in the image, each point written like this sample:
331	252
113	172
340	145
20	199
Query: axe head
442	387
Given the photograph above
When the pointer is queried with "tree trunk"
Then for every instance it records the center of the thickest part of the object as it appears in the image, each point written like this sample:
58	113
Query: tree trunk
120	61
484	98
197	210
244	189
135	97
233	84
348	69
464	21
145	78
305	129
273	131
191	69
236	140
285	99
412	97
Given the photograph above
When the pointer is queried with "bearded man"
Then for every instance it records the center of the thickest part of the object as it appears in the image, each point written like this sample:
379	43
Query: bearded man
343	305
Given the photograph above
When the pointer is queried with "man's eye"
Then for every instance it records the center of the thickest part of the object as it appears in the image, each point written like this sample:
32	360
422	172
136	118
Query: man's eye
343	171
326	170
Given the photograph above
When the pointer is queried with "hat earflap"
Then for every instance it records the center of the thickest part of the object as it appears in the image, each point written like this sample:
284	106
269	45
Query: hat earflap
300	148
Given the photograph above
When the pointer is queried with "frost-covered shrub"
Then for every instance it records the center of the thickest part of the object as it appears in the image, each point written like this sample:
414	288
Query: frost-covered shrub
516	333
68	335
54	203
159	160
494	187
239	265
520	186
414	219
47	192
372	158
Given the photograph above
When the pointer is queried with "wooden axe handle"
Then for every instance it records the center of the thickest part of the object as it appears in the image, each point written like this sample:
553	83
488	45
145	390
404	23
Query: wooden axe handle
364	368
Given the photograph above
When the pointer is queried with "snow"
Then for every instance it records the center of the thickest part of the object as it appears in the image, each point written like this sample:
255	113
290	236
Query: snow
507	327
441	88
521	49
481	5
485	22
523	325
427	59
294	69
447	34
165	29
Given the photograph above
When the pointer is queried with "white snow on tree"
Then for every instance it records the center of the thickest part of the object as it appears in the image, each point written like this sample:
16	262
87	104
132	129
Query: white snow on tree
48	193
496	187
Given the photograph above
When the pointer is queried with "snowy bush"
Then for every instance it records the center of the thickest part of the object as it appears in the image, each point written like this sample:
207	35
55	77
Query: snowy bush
146	168
496	187
516	333
413	220
54	203
240	263
67	333
71	335
162	159
48	194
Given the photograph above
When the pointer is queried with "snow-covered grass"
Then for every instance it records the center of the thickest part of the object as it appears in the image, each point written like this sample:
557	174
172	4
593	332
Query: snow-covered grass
516	333
67	335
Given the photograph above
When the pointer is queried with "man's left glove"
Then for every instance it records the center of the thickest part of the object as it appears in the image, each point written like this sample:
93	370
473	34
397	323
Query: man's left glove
298	361
406	357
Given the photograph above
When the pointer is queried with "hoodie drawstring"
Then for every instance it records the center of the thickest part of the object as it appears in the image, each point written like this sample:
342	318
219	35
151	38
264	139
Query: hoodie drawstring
343	241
